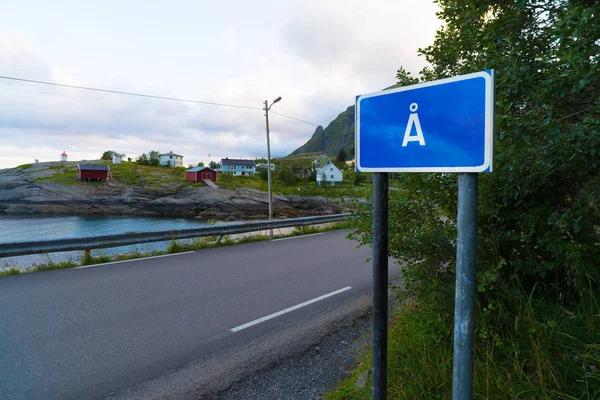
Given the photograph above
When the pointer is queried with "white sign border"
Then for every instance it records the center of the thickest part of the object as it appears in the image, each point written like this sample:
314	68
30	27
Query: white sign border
489	126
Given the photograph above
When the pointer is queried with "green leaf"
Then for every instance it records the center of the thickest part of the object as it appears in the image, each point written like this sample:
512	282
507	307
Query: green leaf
583	82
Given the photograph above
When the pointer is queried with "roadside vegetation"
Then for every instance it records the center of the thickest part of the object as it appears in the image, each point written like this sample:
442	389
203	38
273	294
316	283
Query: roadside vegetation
538	265
175	246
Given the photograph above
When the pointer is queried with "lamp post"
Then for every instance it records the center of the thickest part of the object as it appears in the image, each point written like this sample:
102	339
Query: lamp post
267	108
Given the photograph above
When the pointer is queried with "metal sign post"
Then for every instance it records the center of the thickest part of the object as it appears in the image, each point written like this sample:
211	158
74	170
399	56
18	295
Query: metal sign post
464	306
380	285
440	126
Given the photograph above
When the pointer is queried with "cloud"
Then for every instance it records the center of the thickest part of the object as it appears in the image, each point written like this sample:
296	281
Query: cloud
364	42
317	55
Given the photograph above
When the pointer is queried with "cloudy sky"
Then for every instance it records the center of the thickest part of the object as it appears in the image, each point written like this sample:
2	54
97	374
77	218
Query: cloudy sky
317	55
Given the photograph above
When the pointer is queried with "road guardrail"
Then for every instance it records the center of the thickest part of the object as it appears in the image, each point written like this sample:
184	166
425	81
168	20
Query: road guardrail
99	242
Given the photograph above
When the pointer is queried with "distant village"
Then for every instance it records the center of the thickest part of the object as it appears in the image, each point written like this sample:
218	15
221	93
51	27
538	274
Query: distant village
324	169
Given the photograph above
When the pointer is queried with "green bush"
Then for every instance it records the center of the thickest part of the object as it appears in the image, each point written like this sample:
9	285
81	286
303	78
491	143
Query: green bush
225	178
359	178
539	216
264	174
538	211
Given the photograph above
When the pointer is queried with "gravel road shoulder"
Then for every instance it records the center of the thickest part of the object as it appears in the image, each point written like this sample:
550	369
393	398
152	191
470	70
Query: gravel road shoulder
311	374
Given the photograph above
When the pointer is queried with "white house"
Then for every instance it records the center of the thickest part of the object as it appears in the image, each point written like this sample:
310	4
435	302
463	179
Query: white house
329	174
238	167
264	165
171	159
321	161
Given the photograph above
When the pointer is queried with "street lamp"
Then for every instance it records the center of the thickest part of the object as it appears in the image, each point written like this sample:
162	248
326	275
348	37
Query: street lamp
267	108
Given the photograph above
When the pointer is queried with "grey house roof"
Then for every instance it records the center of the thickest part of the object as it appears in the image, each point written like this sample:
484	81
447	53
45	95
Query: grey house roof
233	161
87	167
171	154
196	169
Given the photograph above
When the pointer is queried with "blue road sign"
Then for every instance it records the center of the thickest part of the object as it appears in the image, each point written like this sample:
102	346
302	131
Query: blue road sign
438	126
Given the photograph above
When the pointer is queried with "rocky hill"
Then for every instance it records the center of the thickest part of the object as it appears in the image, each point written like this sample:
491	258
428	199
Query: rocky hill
338	134
140	190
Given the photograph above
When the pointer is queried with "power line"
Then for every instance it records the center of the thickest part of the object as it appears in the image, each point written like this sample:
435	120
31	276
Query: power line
117	100
148	96
52	70
295	119
127	93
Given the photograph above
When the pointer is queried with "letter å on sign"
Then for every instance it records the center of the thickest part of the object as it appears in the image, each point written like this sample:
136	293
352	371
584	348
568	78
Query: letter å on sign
413	121
438	126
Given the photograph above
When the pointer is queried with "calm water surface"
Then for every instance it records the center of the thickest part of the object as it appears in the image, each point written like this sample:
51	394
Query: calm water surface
24	228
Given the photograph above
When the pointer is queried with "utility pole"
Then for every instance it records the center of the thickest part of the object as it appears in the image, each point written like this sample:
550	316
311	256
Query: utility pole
267	108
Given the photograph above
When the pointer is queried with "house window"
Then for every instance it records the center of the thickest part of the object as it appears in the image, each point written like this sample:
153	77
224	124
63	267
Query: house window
331	169
331	176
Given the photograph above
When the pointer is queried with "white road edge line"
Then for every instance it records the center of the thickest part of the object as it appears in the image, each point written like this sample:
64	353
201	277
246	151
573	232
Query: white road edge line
287	310
299	236
133	259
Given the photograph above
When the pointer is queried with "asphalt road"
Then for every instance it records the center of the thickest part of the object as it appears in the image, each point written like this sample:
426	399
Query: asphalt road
89	333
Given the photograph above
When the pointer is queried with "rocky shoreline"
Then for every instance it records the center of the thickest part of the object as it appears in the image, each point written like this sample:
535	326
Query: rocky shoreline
233	209
26	191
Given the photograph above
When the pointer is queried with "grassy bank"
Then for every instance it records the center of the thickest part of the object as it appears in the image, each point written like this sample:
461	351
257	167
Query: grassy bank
176	246
346	188
127	173
552	351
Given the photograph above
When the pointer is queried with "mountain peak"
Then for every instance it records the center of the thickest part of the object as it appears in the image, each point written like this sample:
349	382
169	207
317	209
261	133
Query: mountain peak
338	135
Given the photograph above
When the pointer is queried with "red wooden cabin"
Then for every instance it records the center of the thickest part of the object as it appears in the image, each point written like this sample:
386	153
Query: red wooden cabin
199	174
93	172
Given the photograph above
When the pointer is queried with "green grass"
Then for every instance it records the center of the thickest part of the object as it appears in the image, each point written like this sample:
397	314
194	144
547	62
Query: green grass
88	259
345	188
547	354
157	178
66	174
6	271
51	265
24	166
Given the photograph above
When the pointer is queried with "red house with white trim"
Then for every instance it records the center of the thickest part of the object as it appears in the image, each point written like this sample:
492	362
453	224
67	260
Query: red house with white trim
93	172
199	174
